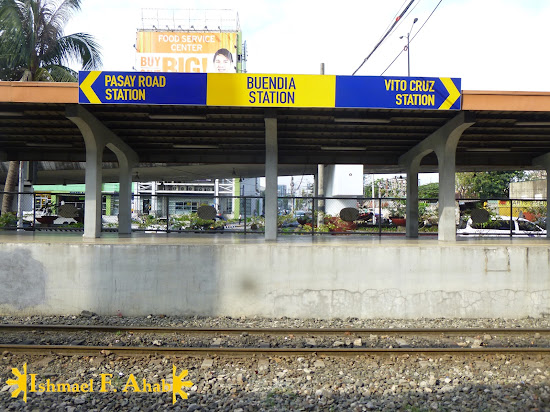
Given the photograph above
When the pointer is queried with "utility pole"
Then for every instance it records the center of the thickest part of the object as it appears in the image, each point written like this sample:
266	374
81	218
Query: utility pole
409	48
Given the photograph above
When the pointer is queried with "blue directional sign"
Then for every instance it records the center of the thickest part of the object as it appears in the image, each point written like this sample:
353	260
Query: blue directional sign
99	87
433	93
242	89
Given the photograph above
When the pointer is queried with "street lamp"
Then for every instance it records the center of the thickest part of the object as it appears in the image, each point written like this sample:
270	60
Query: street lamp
408	47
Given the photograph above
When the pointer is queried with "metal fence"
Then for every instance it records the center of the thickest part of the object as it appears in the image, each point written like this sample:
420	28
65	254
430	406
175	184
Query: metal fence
44	211
357	215
167	213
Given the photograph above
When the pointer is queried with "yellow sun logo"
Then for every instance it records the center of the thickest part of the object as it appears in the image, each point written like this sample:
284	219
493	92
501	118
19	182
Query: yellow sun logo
20	382
179	384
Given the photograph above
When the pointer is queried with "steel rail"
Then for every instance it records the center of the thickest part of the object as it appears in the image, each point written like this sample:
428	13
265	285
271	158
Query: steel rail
137	350
275	331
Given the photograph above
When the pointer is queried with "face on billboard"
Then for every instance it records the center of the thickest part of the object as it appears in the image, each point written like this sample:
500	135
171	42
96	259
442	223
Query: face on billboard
223	61
186	52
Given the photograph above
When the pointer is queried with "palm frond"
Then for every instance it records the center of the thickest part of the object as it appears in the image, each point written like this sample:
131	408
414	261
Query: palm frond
31	38
42	75
60	16
62	73
80	47
11	12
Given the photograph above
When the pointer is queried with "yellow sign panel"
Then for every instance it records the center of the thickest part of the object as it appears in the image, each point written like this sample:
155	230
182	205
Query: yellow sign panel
270	90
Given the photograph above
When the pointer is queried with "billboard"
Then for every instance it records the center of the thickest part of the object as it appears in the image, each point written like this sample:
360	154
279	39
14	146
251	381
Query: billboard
186	51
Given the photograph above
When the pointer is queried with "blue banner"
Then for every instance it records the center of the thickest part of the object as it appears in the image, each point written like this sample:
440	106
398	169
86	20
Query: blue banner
429	93
432	93
99	87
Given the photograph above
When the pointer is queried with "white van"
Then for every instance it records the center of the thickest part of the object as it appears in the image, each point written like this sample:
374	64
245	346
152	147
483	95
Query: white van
500	226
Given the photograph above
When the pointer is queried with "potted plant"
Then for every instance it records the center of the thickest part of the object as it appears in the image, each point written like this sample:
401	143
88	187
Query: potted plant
256	223
335	224
47	214
397	213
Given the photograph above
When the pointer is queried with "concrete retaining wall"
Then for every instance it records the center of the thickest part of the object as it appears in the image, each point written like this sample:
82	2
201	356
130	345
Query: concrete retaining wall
320	281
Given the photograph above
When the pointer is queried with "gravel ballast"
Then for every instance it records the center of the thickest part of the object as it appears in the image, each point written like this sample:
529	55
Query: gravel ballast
90	318
476	382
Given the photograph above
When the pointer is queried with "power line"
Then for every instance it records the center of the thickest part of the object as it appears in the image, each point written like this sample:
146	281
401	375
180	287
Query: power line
393	61
411	10
402	19
396	57
386	35
394	17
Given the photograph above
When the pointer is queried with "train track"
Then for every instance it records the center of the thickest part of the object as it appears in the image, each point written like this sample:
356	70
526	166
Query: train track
192	351
349	333
278	331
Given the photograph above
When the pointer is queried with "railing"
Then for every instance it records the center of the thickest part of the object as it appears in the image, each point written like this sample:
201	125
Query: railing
43	211
345	215
167	213
505	217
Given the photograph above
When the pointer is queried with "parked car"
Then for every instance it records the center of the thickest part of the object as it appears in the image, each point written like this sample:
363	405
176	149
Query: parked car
500	226
289	223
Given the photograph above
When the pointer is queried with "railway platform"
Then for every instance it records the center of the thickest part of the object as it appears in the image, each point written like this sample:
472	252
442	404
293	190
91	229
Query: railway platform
296	276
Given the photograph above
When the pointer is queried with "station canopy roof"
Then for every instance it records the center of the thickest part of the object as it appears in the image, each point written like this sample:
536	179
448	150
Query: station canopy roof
510	130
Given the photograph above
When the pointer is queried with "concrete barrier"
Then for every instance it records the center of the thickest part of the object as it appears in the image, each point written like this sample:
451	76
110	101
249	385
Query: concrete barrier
277	279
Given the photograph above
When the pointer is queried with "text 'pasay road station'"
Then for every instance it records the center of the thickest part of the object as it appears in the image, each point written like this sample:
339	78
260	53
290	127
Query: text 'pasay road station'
265	90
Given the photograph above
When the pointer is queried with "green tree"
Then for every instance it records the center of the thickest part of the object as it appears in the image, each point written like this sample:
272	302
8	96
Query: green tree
486	184
33	47
428	191
367	188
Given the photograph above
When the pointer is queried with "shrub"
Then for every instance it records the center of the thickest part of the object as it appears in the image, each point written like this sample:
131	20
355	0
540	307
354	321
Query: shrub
8	219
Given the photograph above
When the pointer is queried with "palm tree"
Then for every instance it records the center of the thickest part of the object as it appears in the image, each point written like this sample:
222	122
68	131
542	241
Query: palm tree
34	48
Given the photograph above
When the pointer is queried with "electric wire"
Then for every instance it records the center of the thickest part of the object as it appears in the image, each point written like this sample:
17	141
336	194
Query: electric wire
411	40
391	24
386	35
411	10
393	19
404	18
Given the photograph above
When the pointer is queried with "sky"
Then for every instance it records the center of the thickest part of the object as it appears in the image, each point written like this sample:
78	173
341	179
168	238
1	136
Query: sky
489	44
